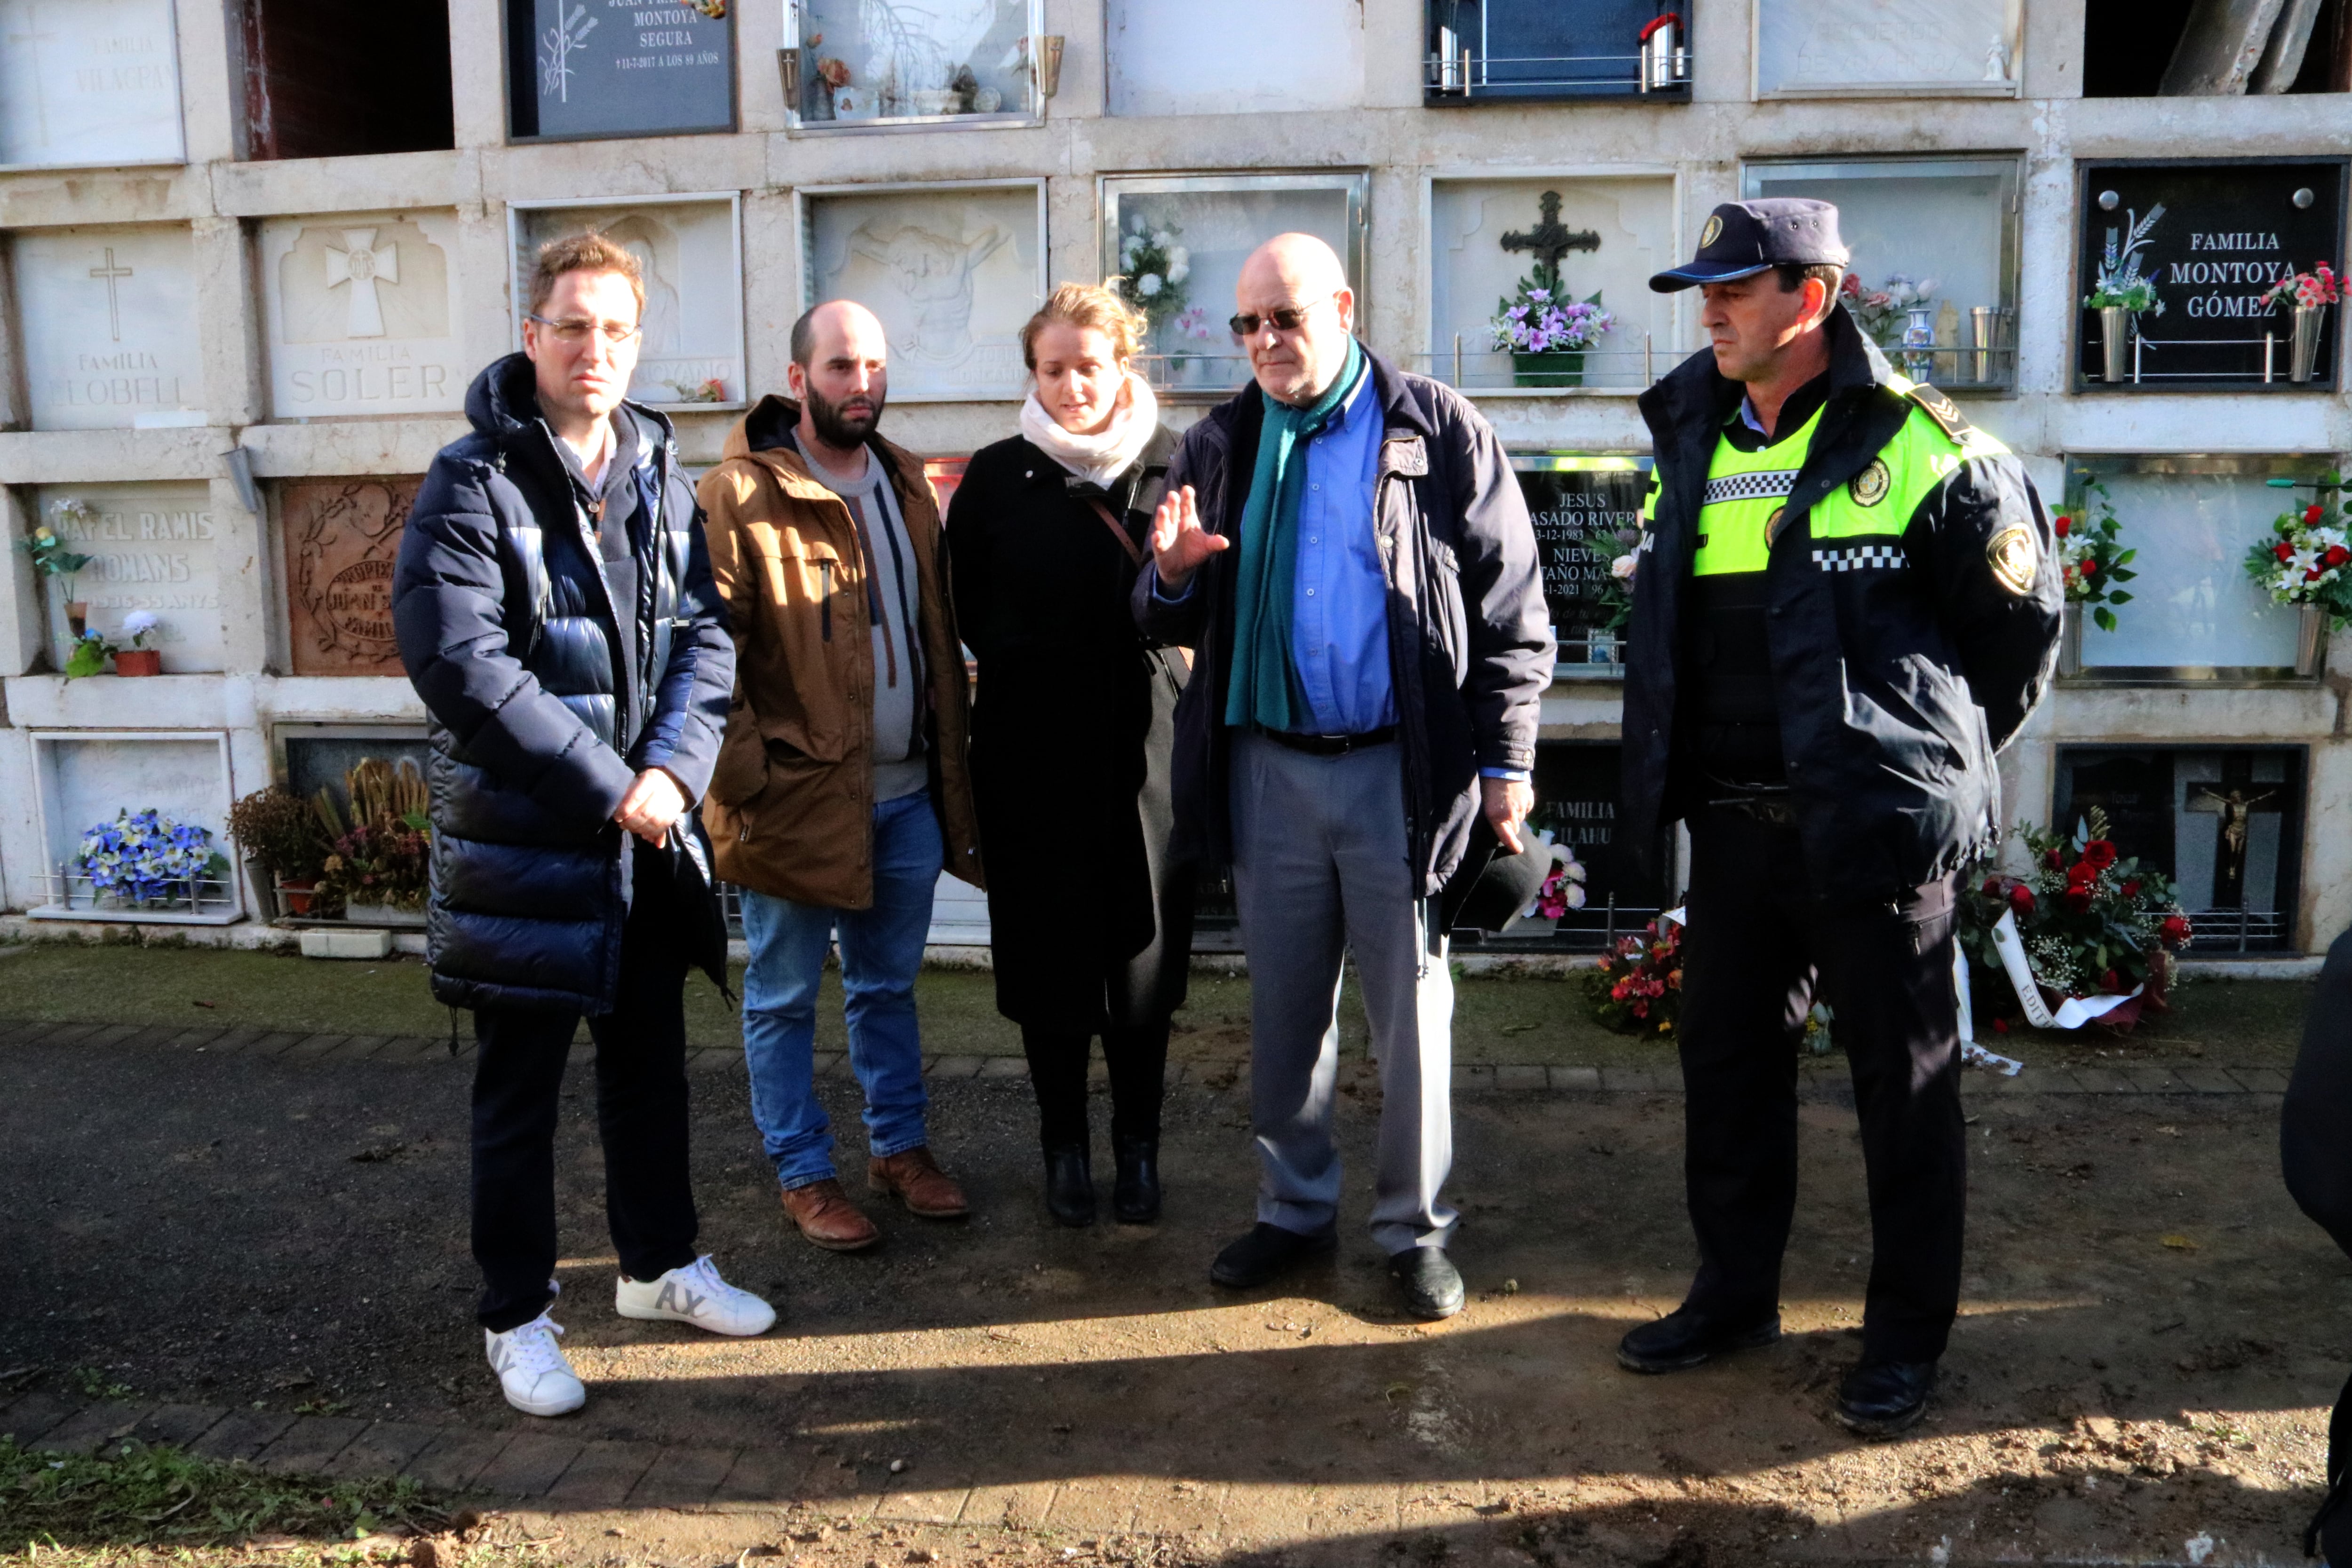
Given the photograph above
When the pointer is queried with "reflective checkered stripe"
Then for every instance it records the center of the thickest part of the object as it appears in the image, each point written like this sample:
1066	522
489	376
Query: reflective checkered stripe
1860	557
1744	491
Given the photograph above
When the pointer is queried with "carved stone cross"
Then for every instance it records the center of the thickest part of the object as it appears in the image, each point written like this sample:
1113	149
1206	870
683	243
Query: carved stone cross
362	266
1551	239
111	274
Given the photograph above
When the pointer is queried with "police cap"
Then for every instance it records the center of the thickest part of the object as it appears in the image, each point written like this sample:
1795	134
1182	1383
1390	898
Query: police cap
1742	238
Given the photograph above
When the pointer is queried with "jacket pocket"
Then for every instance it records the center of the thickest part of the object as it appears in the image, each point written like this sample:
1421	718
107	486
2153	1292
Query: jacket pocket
742	768
795	671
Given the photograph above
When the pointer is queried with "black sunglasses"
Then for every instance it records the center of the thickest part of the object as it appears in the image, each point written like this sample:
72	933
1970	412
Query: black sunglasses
1289	318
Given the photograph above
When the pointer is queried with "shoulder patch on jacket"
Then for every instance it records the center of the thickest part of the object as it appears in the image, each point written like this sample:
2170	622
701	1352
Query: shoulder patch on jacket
1942	410
2014	559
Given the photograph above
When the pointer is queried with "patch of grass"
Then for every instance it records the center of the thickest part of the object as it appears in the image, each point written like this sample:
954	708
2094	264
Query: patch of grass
133	1494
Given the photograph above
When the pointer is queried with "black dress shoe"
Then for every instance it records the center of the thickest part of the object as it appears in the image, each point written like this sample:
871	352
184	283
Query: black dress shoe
1135	1194
1431	1284
1880	1398
1070	1185
1688	1337
1267	1253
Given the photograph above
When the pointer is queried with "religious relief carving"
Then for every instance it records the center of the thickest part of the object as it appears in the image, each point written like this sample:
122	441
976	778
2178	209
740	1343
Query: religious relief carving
359	315
341	536
692	347
952	274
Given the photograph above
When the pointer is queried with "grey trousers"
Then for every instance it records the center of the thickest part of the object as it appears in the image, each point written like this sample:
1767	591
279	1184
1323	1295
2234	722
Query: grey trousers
1319	869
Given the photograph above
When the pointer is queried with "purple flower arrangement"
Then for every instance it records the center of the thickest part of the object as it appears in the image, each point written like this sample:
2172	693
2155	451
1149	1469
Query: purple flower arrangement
1539	322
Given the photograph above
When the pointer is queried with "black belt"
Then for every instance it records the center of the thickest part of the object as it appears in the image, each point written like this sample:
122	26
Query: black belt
1328	744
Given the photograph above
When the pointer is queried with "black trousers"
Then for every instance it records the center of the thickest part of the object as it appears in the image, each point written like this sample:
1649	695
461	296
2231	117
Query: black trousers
640	1116
1138	1060
2315	1157
1760	949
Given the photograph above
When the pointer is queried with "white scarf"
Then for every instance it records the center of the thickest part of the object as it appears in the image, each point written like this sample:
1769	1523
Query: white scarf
1099	458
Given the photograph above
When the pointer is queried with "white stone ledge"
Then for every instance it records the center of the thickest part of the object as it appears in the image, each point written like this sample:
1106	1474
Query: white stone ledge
367	182
89	456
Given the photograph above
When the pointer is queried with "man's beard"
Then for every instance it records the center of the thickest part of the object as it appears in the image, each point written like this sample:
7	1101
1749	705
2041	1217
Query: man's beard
838	430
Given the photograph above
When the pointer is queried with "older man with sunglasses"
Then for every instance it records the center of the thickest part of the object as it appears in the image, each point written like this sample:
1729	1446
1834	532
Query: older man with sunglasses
1346	548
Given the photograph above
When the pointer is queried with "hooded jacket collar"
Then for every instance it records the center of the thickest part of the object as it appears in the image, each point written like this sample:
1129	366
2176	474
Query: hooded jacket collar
503	405
761	435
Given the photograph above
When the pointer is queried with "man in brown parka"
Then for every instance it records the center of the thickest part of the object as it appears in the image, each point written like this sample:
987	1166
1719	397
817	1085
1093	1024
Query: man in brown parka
840	789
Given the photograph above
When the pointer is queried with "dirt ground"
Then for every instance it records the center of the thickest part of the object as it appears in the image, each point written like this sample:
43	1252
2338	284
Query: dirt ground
2151	1333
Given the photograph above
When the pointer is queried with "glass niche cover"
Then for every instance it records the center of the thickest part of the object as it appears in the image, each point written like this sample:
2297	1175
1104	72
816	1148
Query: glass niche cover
1173	248
2225	824
851	63
2193	520
1531	50
1582	505
1934	275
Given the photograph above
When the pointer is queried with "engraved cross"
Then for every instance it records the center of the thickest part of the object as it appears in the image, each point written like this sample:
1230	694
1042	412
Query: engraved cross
110	272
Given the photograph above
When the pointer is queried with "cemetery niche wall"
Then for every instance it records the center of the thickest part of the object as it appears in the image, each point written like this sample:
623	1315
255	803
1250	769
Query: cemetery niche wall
1176	244
690	252
338	540
1935	244
1233	57
579	68
88	83
331	79
953	271
1579	502
1581	241
1884	48
88	781
106	318
851	64
1506	51
153	547
2226	824
2176	264
360	311
2194	614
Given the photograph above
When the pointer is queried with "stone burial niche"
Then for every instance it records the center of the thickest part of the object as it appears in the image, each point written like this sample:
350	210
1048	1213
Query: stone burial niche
328	78
88	82
2211	48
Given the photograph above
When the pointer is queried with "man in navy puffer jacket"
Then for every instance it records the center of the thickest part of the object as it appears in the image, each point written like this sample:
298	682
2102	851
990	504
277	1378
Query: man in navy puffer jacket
554	608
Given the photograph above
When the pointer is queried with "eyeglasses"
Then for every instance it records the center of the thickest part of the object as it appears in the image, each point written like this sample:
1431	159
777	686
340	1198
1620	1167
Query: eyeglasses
573	330
1289	318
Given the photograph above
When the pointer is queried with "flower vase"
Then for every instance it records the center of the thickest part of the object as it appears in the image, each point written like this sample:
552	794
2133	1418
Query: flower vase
2069	640
1554	368
2115	344
139	662
1918	335
78	617
2311	640
2303	359
294	897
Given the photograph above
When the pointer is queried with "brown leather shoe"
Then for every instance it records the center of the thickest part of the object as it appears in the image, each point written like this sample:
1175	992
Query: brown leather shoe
918	1183
827	1218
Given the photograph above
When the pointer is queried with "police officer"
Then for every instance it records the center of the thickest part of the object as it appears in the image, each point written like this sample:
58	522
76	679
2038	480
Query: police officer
1845	602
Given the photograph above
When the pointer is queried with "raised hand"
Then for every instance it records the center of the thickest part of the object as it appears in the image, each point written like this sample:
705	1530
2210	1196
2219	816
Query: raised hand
1178	543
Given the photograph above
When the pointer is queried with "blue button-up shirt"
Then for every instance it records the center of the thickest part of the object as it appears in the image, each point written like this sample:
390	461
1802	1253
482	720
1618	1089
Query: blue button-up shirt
1339	604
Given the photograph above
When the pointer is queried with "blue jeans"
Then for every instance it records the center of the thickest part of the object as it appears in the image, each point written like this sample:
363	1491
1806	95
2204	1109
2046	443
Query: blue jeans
881	949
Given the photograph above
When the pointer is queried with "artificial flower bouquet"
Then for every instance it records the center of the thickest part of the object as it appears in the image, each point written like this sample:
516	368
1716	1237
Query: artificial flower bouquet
2308	289
2306	557
1153	269
1638	989
1880	311
1537	321
146	859
2092	556
2093	922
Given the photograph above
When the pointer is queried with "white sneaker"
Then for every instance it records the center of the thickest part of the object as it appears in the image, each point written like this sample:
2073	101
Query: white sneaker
695	1294
531	1370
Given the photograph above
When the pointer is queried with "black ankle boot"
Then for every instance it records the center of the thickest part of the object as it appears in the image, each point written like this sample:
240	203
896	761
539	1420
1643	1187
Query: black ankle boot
1135	1196
1070	1185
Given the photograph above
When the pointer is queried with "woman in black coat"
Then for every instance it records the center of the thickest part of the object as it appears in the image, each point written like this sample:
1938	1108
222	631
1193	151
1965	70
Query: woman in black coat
1071	737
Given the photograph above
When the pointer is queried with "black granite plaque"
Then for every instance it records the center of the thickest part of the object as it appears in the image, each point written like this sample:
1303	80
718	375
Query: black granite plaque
2211	237
611	67
1579	505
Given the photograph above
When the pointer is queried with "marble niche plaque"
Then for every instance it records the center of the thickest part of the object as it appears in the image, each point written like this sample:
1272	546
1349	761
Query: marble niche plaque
688	251
1215	221
88	82
621	68
152	546
953	274
339	538
361	314
1862	48
108	327
1621	229
1233	57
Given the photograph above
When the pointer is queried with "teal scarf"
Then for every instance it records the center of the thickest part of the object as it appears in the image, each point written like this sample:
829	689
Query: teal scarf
1264	689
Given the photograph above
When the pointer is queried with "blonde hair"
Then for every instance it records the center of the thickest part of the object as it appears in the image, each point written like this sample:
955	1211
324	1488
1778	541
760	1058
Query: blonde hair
1085	305
590	252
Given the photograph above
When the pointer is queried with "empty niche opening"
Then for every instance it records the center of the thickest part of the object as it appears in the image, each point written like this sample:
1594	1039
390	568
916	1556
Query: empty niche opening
2187	48
329	78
